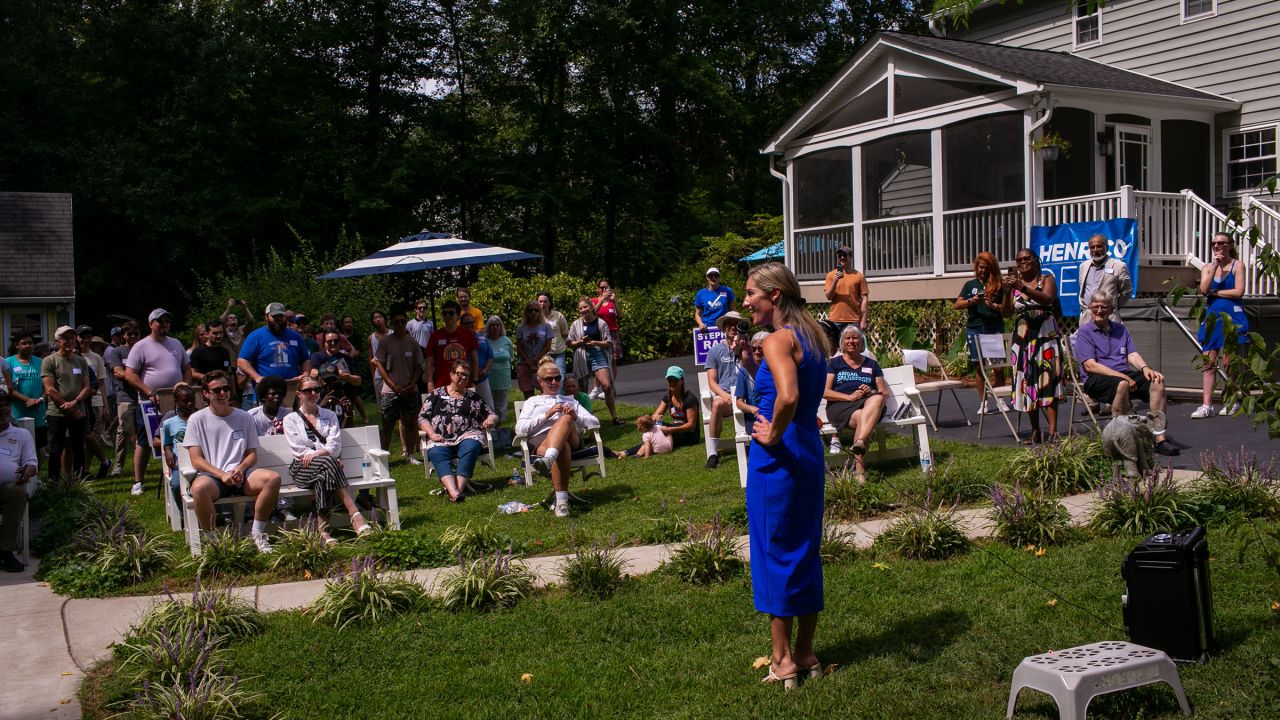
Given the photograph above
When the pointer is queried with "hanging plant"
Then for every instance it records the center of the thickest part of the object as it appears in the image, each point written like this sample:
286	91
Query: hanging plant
1051	144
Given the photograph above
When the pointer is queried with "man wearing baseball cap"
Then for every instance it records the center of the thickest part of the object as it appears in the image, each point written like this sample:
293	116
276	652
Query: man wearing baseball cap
274	349
17	466
722	377
156	362
66	383
712	301
846	290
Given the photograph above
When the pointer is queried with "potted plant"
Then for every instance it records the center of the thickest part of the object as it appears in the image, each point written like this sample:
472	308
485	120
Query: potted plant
1050	144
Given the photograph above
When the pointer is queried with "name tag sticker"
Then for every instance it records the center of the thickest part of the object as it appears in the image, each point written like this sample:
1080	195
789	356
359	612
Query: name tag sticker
7	452
75	371
1110	271
226	363
294	343
237	435
408	353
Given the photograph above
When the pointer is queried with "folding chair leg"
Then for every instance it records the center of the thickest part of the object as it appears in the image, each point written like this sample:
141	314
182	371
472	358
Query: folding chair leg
958	407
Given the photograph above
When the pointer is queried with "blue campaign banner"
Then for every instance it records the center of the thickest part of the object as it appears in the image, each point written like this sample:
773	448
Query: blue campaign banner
703	341
1062	248
151	421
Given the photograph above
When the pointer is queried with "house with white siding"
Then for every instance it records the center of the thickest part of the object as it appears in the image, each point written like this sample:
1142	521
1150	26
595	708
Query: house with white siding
925	150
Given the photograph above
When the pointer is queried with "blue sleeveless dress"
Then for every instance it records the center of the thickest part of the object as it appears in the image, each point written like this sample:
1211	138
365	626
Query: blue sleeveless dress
1215	340
785	499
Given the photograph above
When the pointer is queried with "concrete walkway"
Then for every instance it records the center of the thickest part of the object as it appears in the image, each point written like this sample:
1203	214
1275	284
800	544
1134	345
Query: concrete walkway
51	641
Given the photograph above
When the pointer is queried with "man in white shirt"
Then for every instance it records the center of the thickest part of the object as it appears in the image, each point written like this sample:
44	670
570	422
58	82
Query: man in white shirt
223	444
17	467
155	362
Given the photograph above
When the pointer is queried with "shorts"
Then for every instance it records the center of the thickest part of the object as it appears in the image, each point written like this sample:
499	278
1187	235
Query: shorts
224	490
140	428
971	341
1102	388
400	407
597	359
838	413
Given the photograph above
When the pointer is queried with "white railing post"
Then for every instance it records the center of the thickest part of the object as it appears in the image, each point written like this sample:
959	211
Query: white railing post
1188	224
859	239
1126	202
939	242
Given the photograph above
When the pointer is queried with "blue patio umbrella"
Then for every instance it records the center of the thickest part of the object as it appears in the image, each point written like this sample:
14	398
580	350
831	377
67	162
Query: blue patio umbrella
775	251
428	251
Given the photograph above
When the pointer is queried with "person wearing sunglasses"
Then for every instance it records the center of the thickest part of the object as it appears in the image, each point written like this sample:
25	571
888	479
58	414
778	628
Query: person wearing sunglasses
449	343
745	395
1037	355
315	437
454	418
554	424
712	301
606	304
1222	285
223	445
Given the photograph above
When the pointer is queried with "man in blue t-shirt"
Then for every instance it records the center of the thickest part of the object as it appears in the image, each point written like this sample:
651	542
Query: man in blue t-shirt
274	349
712	301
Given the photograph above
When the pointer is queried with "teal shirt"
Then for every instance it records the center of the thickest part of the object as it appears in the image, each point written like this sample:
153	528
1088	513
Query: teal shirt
500	372
26	380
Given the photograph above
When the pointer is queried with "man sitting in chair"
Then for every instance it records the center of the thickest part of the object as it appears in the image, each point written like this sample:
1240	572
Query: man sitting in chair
17	467
722	376
1112	370
554	424
223	444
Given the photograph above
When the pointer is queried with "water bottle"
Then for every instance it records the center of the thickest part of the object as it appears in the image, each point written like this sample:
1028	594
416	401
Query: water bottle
515	476
926	463
366	469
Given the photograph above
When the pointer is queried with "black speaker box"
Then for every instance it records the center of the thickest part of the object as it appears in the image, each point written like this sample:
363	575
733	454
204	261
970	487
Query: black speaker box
1168	603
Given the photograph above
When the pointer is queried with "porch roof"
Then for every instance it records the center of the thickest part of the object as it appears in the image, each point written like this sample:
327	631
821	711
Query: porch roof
1024	69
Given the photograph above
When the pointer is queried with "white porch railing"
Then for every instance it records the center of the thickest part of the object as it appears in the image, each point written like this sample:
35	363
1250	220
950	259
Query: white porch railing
898	246
1266	218
815	250
994	228
1086	208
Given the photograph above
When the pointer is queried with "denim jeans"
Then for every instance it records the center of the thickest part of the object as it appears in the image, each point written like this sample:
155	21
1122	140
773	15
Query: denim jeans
467	452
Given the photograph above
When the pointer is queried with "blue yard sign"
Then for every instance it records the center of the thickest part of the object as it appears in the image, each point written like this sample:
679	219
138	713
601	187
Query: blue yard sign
1062	248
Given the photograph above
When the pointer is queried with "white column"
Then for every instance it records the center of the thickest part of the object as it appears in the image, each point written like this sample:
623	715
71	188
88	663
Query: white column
1032	179
935	172
858	210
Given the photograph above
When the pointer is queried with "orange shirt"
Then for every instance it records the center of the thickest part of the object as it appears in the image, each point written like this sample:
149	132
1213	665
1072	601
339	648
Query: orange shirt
475	313
846	303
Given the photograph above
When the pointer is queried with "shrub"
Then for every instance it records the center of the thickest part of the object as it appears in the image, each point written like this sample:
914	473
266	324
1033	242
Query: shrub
469	542
929	533
365	594
493	580
1071	465
74	576
710	556
837	544
1022	519
216	612
846	498
303	550
108	550
203	692
132	557
399	550
664	530
161	656
225	553
1236	484
594	570
1151	503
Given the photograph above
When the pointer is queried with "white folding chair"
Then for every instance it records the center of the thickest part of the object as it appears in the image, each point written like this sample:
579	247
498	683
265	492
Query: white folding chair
938	386
993	354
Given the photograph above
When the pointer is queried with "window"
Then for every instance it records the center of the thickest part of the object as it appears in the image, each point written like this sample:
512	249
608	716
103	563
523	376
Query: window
1088	22
824	188
1197	9
897	177
1251	158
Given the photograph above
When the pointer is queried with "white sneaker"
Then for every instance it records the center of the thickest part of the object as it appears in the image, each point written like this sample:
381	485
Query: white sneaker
982	408
541	466
596	394
1002	407
1202	412
562	508
836	448
412	460
264	543
1235	408
136	489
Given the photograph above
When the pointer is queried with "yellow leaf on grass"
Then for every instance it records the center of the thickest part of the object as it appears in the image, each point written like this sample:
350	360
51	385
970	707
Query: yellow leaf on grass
879	566
1029	548
760	662
1275	606
64	701
1052	603
67	673
526	678
306	574
1040	552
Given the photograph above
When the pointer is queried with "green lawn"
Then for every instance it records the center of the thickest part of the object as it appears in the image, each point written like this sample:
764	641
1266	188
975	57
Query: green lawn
640	501
912	640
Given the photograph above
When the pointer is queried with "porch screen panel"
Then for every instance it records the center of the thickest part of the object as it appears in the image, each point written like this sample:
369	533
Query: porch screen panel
824	188
982	189
898	198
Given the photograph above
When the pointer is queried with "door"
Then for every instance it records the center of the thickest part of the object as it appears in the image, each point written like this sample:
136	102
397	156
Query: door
1133	156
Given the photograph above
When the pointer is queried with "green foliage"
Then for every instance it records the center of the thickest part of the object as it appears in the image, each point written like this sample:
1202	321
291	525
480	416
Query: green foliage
303	550
849	499
161	656
495	580
400	550
710	556
594	570
225	553
60	505
473	542
657	321
217	613
1150	504
915	324
201	695
664	530
499	292
365	595
1236	484
76	576
837	544
928	533
1071	465
109	549
1022	519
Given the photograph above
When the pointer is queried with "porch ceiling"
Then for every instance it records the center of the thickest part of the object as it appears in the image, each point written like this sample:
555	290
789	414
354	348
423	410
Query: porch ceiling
1025	71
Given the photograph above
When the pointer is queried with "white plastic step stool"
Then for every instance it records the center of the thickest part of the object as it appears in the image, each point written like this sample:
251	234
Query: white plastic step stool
1075	676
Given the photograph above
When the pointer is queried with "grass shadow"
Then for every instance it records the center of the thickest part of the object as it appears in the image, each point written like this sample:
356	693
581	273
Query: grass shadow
916	638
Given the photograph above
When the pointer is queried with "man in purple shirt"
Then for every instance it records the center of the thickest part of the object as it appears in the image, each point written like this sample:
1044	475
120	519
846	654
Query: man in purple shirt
1108	358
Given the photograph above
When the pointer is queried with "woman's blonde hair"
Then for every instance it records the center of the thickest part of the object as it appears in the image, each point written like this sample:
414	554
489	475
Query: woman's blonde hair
545	361
789	308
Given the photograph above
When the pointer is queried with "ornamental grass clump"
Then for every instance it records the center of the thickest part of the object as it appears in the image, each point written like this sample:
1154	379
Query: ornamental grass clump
1068	466
594	570
710	555
204	692
109	549
473	542
225	553
928	533
848	498
303	551
495	580
159	655
1022	519
1149	504
363	593
216	612
1237	485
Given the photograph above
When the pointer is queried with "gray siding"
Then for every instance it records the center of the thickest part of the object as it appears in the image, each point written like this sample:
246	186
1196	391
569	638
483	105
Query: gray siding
1235	53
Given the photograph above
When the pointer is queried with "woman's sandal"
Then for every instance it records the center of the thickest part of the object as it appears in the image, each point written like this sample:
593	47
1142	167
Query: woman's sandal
619	421
789	682
814	671
1035	439
328	539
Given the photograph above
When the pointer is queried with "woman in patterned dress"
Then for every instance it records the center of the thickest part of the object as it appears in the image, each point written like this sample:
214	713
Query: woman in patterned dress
315	437
454	417
1037	361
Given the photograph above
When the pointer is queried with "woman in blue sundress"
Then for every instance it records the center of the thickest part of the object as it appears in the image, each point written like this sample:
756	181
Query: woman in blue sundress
1222	284
785	473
